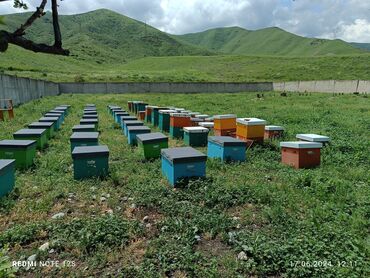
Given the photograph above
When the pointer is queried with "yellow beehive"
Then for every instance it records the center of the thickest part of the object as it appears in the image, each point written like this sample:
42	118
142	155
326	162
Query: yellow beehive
222	122
250	128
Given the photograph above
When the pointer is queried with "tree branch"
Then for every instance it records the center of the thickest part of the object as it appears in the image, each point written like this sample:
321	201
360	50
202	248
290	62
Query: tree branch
57	34
6	38
37	14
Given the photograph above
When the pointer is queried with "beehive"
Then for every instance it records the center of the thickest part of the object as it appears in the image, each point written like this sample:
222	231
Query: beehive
136	106
202	116
83	128
182	163
177	122
151	144
84	139
126	118
118	115
90	162
53	120
129	105
155	115
53	115
38	135
300	154
273	131
131	123
196	121
92	113
118	109
132	131
49	126
250	129
148	113
141	107
313	138
7	176
57	112
62	108
23	151
196	136
226	148
208	125
141	115
90	122
90	116
164	119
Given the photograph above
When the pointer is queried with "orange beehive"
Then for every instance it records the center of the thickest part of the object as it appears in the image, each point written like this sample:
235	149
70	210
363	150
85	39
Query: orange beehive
273	131
300	154
225	132
141	115
250	129
180	120
224	122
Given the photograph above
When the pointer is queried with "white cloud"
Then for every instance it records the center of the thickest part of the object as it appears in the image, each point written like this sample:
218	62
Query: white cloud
345	19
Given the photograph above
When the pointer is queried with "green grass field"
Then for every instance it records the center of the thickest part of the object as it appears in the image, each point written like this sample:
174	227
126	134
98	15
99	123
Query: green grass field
289	223
227	68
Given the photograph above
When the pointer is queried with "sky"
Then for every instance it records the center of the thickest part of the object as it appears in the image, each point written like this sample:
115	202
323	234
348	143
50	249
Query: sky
344	19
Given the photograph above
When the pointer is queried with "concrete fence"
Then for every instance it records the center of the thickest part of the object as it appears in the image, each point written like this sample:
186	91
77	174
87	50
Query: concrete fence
22	90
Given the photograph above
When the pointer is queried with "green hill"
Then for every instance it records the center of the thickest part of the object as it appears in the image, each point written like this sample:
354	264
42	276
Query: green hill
103	36
269	41
365	46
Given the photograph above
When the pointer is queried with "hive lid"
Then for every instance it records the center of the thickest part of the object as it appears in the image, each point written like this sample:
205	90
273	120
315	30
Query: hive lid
274	127
90	117
209	119
120	112
167	111
202	116
128	118
78	127
29	132
226	141
52	115
59	112
90	109
89	121
152	137
151	106
251	121
84	135
180	115
116	108
90	113
196	129
226	116
207	124
138	128
301	145
17	143
48	119
90	105
185	154
6	164
131	123
62	108
313	137
41	124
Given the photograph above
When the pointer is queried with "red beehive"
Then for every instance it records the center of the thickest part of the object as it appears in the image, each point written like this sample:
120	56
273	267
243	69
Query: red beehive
141	115
273	131
300	154
180	120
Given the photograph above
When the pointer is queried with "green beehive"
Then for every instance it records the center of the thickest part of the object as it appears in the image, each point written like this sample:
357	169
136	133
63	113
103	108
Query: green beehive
60	118
94	113
84	116
84	139
49	126
7	176
54	120
58	112
39	135
83	128
150	144
196	136
90	122
23	151
90	162
62	108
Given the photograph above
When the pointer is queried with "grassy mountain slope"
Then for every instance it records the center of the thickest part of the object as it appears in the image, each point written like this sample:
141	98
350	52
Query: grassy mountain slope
103	36
268	41
365	46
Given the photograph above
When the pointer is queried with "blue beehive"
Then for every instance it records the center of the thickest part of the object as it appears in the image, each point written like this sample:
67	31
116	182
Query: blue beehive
183	163
118	115
7	176
132	131
131	123
226	148
126	118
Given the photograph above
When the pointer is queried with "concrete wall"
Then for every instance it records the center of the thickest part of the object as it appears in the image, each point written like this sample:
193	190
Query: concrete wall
163	87
22	90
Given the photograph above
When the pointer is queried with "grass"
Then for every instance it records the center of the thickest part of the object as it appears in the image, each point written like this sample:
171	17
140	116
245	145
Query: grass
185	68
280	217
